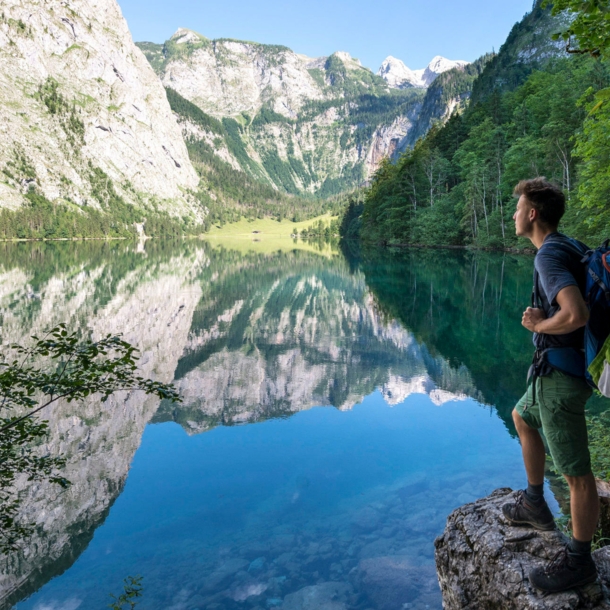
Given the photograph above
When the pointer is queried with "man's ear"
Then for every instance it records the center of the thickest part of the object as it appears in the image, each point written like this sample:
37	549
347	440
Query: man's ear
533	214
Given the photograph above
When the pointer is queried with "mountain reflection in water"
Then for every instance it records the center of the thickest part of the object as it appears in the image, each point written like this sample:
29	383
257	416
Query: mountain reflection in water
333	510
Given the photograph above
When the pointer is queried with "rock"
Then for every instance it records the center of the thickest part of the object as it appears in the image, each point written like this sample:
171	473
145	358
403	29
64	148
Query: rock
367	519
224	573
257	565
325	596
241	592
393	581
383	546
483	563
113	112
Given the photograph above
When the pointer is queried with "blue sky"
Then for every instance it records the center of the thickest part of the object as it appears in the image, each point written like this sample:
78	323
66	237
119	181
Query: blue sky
412	30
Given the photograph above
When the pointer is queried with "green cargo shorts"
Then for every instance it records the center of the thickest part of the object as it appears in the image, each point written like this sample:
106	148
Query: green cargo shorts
556	403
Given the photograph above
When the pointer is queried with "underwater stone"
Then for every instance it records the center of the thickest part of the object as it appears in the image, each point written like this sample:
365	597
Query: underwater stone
393	581
325	596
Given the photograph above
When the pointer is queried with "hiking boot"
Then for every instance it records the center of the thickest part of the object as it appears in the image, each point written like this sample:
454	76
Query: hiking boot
524	512
566	571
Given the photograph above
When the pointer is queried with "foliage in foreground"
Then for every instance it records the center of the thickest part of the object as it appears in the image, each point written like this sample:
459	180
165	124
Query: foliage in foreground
132	589
590	27
56	367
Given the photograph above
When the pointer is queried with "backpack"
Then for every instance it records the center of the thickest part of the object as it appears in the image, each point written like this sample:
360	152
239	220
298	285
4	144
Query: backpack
595	360
597	331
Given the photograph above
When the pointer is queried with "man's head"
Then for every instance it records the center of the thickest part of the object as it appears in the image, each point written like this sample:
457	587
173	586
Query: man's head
540	203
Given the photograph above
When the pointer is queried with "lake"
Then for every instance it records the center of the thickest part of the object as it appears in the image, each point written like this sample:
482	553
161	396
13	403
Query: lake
337	406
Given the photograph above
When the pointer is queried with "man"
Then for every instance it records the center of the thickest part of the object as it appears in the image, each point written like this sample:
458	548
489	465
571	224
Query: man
557	392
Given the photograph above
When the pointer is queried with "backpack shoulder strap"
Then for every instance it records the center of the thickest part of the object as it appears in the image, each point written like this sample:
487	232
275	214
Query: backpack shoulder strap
536	302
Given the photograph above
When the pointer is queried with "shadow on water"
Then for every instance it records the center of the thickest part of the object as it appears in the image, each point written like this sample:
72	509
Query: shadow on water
464	306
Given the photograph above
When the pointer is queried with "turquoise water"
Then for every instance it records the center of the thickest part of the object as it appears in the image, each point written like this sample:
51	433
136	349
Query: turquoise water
335	412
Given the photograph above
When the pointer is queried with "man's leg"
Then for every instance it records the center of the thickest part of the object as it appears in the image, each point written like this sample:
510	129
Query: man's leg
584	506
532	447
575	566
562	409
529	507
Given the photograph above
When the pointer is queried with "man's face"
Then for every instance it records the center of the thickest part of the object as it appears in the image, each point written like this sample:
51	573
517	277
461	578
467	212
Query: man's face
523	217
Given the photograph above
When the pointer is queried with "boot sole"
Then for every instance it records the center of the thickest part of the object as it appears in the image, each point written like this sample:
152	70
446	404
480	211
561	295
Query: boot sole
543	527
581	583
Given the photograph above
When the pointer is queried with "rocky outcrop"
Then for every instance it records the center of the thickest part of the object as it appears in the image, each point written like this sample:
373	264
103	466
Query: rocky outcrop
77	98
483	563
388	139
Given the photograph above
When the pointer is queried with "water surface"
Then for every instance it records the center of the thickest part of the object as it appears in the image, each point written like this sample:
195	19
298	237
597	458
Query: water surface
336	409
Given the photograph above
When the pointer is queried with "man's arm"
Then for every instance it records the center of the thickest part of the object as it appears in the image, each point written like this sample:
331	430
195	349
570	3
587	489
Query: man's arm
572	315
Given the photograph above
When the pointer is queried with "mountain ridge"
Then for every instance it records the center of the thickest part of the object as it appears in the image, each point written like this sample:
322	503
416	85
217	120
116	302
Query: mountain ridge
316	126
399	76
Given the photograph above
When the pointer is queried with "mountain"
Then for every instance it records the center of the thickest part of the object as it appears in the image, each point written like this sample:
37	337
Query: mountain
529	46
399	76
526	117
97	144
305	126
83	117
449	92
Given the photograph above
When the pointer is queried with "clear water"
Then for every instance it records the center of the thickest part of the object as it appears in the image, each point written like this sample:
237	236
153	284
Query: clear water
336	410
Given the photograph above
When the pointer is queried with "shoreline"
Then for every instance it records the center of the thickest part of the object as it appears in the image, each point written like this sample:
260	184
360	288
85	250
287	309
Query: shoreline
446	247
218	235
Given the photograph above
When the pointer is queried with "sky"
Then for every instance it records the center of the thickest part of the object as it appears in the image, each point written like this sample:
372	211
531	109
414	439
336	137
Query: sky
412	30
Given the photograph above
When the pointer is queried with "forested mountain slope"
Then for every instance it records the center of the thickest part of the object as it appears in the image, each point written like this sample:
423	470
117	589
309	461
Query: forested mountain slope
448	93
530	115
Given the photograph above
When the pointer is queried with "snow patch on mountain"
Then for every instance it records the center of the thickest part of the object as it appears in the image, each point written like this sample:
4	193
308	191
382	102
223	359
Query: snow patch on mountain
400	76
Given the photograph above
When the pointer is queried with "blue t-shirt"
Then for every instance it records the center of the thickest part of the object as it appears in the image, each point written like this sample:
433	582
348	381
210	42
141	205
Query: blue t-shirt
558	266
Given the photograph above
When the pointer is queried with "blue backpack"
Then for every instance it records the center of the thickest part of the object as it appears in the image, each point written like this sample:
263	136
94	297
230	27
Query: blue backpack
594	361
597	331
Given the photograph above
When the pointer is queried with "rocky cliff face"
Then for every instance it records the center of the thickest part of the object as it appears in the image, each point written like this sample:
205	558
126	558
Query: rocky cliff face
449	92
529	46
79	103
227	78
313	125
152	304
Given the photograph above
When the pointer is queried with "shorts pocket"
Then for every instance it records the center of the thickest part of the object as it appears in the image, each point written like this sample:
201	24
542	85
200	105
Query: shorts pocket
561	393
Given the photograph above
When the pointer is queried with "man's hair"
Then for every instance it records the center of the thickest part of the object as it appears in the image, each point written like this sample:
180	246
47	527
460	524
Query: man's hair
545	197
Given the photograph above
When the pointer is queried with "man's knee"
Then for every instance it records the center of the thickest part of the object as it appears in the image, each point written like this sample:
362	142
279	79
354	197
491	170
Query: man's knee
581	483
520	422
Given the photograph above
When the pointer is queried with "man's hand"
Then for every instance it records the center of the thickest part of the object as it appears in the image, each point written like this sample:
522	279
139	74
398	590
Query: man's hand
572	315
531	317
